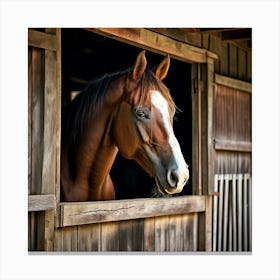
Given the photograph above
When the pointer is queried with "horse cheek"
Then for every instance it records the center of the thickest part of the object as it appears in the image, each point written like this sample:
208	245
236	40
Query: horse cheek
124	133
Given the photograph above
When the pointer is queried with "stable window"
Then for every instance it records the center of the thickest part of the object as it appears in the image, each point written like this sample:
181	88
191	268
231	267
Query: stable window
64	61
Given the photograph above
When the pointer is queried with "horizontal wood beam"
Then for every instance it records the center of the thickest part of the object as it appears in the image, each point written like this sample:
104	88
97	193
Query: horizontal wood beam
41	202
214	30
158	43
79	213
235	146
233	83
237	34
42	40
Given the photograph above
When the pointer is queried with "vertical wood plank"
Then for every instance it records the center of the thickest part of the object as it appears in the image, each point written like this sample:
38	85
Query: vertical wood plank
110	236
220	214
58	243
208	223
188	233
70	239
232	61
196	175
225	212
88	238
126	236
138	234
58	120
149	234
249	211
230	215
242	65
245	214
224	58
161	234
234	216
215	213
239	210
37	124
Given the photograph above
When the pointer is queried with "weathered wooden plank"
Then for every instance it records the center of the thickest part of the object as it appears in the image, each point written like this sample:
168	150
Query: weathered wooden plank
230	217
247	177
196	144
232	145
42	40
41	202
162	234
207	150
215	214
58	119
225	212
149	234
77	213
137	234
234	216
70	239
233	83
242	64
126	236
50	125
233	67
29	118
110	237
220	212
193	233
239	211
245	214
208	223
88	238
180	34
176	230
36	86
156	42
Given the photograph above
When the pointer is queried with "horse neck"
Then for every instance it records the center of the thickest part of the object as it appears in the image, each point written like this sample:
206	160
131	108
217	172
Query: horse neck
98	151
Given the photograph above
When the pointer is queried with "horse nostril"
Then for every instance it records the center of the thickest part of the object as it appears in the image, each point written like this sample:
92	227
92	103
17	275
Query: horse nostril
172	178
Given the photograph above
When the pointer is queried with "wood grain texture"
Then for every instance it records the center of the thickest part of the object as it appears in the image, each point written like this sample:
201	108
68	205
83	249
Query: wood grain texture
41	202
159	43
95	212
42	40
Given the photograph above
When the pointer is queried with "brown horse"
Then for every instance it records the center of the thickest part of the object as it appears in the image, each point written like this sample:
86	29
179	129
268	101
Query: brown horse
131	112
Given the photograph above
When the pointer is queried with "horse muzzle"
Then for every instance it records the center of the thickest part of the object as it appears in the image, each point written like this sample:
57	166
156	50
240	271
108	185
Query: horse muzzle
173	180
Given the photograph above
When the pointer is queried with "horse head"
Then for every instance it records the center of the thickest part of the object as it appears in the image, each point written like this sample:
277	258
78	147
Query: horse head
143	126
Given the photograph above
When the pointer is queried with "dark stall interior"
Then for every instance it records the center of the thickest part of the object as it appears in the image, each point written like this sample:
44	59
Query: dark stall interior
85	56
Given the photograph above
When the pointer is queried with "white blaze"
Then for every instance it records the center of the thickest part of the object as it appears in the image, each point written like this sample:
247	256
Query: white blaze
161	104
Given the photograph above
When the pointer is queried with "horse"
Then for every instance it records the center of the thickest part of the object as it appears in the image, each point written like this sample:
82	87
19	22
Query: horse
130	112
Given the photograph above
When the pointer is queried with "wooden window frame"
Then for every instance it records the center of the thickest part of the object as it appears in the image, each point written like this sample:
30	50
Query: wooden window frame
202	60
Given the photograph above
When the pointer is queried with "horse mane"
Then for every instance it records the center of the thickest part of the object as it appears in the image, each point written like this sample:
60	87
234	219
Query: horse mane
78	113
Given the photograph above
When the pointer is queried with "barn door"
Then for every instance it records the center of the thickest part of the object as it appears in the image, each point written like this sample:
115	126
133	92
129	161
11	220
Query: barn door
44	95
233	147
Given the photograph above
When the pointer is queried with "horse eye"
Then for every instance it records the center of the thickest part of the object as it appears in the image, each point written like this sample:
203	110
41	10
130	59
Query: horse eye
142	113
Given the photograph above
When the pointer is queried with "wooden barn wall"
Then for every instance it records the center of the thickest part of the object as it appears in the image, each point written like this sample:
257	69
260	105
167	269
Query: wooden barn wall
43	135
234	59
232	125
156	234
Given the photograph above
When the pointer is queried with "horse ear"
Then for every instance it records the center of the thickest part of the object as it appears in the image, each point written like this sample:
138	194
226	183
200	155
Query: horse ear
162	69
139	66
